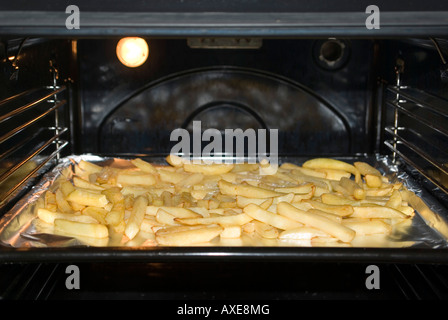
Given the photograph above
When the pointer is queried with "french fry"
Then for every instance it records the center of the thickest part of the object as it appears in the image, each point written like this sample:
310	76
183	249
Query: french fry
275	220
144	165
369	212
246	190
366	226
62	203
171	176
187	236
88	198
50	201
89	167
49	216
93	230
333	174
366	169
325	214
395	200
136	218
136	178
166	218
303	171
327	163
301	189
191	180
373	181
334	199
341	210
176	161
302	233
226	220
150	224
377	192
82	183
116	215
208	169
177	212
98	214
230	232
265	203
353	188
66	188
316	221
265	230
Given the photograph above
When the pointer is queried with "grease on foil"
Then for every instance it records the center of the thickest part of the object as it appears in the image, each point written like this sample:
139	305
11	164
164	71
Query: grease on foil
20	229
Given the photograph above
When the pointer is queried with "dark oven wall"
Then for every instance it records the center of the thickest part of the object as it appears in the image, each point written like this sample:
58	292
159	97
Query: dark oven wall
317	93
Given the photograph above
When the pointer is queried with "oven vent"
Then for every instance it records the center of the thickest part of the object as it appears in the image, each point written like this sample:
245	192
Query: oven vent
419	133
31	131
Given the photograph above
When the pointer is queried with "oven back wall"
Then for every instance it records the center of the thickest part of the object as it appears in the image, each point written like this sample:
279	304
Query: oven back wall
317	93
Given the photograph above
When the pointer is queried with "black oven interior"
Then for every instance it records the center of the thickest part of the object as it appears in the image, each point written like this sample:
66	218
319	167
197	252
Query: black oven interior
338	96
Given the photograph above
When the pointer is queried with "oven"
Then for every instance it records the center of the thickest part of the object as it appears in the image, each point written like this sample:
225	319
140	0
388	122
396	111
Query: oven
347	81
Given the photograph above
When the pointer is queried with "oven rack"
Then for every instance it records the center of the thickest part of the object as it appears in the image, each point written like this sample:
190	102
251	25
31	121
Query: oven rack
419	132
31	137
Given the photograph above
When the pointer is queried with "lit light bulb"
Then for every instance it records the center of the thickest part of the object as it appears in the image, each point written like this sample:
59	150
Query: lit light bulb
132	51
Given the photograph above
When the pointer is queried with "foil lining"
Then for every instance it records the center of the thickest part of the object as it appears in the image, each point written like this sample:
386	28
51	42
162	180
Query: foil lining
19	227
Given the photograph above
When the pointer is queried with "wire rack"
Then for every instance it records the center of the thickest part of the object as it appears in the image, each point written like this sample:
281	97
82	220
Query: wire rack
419	133
31	136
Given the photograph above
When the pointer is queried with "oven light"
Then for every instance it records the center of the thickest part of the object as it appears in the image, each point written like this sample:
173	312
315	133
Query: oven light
132	51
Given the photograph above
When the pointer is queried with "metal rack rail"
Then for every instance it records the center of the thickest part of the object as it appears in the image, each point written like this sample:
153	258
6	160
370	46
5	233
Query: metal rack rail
31	136
419	134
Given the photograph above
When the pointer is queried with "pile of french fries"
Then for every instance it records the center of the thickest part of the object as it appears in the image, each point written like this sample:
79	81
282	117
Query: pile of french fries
181	203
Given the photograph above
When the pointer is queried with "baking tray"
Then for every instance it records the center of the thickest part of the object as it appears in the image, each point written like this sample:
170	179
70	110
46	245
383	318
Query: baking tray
425	241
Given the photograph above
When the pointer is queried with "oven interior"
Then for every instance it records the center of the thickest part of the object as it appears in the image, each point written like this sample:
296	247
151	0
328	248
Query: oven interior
339	97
